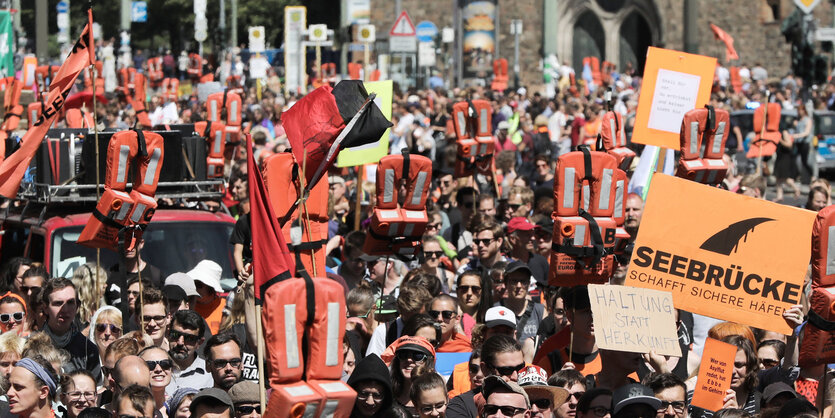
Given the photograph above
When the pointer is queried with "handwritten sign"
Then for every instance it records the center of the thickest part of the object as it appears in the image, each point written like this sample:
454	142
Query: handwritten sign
721	254
634	320
715	375
674	83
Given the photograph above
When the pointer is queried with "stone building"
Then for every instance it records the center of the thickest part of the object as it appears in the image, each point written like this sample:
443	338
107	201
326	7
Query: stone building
620	31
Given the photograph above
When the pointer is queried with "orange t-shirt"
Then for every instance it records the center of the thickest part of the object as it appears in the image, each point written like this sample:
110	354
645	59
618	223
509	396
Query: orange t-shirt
459	343
212	312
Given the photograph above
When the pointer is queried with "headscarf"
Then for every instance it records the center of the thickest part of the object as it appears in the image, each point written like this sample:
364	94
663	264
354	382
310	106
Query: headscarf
39	371
95	318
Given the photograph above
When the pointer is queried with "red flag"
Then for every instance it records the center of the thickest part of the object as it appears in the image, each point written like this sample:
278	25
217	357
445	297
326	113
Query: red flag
271	259
730	52
91	42
13	168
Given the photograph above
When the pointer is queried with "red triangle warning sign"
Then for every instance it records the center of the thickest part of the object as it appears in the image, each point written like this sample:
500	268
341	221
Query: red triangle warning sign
403	26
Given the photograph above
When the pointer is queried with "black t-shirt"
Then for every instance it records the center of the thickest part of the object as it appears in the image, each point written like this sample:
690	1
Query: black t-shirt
114	291
242	234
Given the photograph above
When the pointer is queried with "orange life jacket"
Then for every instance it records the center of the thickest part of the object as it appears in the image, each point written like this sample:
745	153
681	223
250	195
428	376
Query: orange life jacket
703	136
11	89
154	70
30	66
612	139
398	228
170	88
818	333
499	75
195	66
767	131
44	75
473	129
584	227
119	215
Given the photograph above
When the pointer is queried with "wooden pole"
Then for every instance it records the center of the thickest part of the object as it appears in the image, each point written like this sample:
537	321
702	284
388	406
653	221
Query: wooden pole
366	57
358	205
259	327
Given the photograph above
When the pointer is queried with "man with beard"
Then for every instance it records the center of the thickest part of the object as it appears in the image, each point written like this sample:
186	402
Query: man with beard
184	336
223	357
634	209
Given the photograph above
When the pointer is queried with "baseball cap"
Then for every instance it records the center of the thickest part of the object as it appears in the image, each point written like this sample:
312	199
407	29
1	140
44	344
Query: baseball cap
534	380
499	315
504	125
211	395
496	383
245	392
181	281
633	393
546	224
336	179
386	305
777	388
519	223
796	407
515	266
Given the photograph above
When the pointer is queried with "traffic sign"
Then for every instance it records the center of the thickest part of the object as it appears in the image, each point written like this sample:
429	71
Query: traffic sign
63	20
256	39
366	33
200	7
825	34
201	28
426	54
426	31
806	5
318	32
62	7
403	26
139	11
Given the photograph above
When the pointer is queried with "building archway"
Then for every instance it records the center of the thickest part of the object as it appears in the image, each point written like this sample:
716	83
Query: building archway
635	38
588	39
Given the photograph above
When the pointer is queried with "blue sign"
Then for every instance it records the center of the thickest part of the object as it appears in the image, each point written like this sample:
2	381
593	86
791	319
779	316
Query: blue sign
139	11
426	31
62	7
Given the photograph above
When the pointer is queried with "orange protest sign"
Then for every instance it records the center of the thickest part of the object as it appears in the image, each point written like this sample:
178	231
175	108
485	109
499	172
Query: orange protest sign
715	374
674	83
722	254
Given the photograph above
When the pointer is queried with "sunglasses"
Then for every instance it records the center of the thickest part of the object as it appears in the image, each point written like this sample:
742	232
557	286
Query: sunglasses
769	363
447	315
576	395
600	411
33	289
433	226
15	316
156	319
467	289
433	254
221	363
165	364
514	206
482	241
416	356
113	328
474	368
248	409
508	370
543	403
188	338
508	411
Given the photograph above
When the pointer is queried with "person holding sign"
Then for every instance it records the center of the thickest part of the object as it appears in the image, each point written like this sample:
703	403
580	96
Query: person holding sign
743	393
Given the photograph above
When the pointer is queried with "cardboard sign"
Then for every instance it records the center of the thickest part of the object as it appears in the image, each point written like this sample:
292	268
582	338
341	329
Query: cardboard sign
715	374
722	254
674	83
634	320
371	152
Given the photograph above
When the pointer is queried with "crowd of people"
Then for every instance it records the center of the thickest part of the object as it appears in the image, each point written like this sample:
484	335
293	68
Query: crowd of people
479	287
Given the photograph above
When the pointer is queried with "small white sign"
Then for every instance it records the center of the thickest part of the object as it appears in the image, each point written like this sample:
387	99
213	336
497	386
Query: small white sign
825	34
675	95
256	39
447	35
318	33
402	44
366	33
426	54
258	67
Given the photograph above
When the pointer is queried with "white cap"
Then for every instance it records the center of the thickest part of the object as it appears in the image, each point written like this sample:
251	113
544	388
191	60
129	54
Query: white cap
208	272
499	315
503	125
183	281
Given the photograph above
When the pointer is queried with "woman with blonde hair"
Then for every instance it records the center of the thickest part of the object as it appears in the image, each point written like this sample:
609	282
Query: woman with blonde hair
105	327
90	282
11	348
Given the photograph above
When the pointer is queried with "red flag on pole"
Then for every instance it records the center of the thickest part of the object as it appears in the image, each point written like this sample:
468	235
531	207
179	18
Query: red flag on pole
730	52
91	42
13	168
271	259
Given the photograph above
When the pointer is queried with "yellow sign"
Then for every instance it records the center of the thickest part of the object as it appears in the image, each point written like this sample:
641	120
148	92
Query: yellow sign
371	153
721	254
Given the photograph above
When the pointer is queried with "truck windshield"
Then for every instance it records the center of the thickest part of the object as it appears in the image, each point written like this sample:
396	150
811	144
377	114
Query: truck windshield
170	246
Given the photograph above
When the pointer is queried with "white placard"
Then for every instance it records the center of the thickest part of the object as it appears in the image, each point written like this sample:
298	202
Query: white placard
258	67
256	39
675	95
